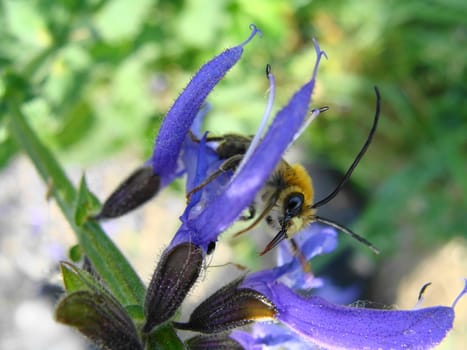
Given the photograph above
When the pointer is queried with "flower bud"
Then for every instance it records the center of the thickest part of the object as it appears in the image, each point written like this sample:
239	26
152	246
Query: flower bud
228	308
136	190
214	342
175	274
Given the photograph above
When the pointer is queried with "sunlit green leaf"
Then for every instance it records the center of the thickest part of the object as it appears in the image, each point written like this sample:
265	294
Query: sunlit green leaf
75	253
86	204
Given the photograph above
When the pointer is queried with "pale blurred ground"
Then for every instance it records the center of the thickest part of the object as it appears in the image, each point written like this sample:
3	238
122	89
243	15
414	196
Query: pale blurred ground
34	237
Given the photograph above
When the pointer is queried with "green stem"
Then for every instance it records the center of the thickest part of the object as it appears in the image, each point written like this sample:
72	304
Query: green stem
105	257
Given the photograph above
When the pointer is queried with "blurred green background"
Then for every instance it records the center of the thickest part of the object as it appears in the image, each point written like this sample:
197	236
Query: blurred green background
96	77
101	74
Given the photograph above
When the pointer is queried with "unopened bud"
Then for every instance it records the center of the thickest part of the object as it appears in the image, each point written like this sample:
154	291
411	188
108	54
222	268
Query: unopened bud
214	342
228	308
175	274
136	190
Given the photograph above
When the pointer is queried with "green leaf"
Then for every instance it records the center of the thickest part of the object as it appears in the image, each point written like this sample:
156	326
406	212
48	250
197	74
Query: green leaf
164	338
8	149
76	279
17	86
75	253
77	122
111	265
72	279
86	204
136	312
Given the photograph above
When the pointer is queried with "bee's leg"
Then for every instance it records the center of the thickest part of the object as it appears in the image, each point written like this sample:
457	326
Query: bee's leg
306	267
269	205
251	213
228	164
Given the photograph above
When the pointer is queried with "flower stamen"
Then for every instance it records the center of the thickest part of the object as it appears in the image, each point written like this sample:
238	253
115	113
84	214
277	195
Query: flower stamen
255	30
264	120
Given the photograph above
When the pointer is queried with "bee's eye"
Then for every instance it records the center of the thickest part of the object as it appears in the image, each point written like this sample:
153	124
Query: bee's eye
293	203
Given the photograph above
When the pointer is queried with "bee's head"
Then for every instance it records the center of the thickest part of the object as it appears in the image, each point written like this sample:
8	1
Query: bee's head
296	214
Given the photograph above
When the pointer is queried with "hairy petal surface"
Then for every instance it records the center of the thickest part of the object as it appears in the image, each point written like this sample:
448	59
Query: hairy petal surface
180	117
174	276
340	327
225	208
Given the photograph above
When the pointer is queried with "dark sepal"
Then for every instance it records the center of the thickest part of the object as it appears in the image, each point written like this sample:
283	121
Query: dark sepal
136	190
213	342
173	278
228	308
99	317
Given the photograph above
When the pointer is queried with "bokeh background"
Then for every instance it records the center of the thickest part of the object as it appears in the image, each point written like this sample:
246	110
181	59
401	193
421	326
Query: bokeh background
100	76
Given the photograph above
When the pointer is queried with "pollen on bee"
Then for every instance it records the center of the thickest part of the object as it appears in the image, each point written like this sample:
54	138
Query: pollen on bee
296	175
296	225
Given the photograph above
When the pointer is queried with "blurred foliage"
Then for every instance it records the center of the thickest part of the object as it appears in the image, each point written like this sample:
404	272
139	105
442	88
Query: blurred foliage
97	76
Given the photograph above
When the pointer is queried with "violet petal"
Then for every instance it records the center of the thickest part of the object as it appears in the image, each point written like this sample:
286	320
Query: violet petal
180	117
340	327
272	336
225	208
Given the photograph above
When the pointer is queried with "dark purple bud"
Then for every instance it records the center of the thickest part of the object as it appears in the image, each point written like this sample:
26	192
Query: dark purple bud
99	317
228	308
136	190
213	342
175	274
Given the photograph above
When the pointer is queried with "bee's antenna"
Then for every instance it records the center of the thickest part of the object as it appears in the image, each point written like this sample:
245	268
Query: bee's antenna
423	290
358	158
346	231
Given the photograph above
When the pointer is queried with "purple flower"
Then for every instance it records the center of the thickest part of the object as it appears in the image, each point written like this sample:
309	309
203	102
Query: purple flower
341	327
273	294
203	221
312	320
271	335
217	206
181	262
179	118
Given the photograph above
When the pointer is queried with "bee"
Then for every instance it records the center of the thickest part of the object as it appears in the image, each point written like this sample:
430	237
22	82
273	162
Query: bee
287	198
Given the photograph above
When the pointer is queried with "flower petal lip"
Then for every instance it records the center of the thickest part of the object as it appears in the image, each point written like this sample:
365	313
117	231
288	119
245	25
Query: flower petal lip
340	327
225	209
179	118
266	334
316	239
